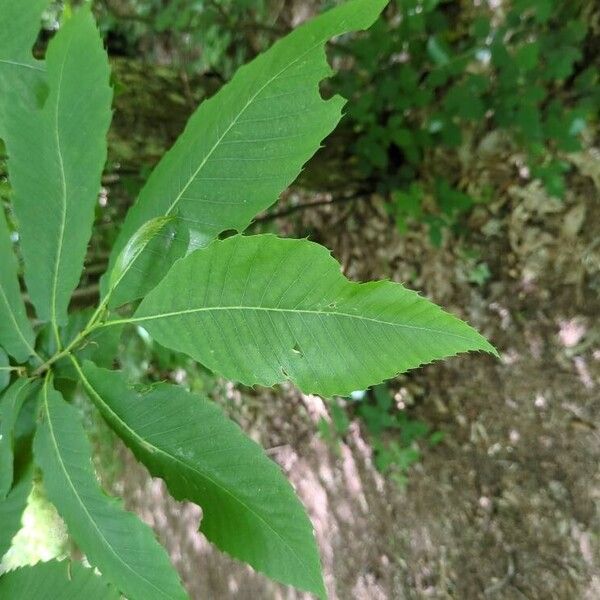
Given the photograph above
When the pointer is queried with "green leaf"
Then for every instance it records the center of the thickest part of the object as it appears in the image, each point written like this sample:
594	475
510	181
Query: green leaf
116	542
560	62
249	509
21	76
438	51
261	310
245	145
451	201
408	205
12	508
527	55
56	580
16	334
134	247
10	407
64	146
19	27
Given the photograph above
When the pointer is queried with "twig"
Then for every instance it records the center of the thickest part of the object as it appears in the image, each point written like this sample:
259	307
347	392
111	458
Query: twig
293	209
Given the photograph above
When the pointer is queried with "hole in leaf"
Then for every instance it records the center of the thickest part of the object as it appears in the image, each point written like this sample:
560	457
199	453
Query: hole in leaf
228	233
326	89
296	350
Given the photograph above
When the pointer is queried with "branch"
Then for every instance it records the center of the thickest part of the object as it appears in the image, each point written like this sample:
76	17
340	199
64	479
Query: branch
360	195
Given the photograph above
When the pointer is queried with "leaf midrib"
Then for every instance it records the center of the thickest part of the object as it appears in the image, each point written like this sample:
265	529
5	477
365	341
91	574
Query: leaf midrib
63	181
80	501
146	444
285	310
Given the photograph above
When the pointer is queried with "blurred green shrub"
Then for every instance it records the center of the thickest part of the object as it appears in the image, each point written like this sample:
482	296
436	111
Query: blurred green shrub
201	35
432	72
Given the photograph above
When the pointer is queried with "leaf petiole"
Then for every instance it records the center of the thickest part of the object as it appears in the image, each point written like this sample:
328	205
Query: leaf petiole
67	350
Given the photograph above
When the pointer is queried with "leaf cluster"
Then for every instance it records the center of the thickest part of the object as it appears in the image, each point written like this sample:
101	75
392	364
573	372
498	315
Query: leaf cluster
259	310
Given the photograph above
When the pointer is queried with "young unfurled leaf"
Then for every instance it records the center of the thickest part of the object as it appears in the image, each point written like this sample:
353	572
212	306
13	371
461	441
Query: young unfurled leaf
56	581
115	541
56	157
245	145
10	406
16	334
249	509
260	310
11	510
134	247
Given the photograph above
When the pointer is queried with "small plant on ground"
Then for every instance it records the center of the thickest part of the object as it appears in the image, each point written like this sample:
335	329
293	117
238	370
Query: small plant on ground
394	435
258	310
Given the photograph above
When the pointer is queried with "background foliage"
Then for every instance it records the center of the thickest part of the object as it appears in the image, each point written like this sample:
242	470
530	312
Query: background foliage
429	78
434	76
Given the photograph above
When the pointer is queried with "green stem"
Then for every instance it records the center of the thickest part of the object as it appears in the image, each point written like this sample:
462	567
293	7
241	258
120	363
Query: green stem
22	371
43	368
150	230
92	323
129	321
91	326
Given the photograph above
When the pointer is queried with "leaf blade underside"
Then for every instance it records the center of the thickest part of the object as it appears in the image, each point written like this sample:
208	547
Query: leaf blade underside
249	508
16	333
243	146
11	403
261	310
64	144
56	580
21	76
115	541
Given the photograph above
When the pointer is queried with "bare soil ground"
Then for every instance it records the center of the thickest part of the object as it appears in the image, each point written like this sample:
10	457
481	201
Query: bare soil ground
508	505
